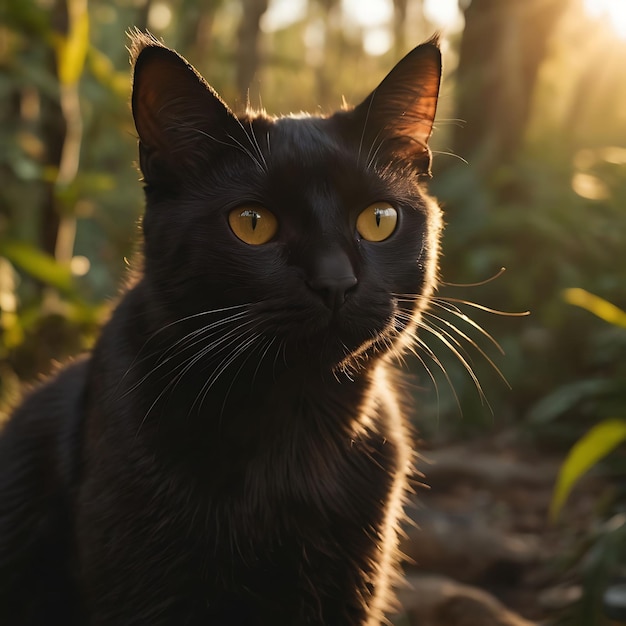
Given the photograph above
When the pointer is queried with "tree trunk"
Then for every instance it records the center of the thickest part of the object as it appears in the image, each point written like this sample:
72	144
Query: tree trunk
248	53
331	51
399	27
503	46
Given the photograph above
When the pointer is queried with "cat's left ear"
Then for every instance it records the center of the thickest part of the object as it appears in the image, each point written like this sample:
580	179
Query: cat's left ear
400	112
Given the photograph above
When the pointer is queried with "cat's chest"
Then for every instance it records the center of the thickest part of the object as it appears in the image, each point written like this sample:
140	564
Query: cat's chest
263	516
250	481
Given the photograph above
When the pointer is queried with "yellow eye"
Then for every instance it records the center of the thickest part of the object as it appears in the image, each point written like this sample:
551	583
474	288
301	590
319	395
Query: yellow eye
253	225
377	222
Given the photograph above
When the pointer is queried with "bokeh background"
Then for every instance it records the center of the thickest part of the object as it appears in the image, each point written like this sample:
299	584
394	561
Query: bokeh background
530	167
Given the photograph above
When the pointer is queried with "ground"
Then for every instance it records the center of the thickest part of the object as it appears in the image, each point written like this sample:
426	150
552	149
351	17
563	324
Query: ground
481	550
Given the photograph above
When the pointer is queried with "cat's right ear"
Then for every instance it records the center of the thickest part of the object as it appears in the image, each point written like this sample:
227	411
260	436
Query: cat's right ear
398	115
177	113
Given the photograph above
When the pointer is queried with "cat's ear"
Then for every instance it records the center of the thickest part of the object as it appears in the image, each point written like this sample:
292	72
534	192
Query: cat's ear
398	115
175	110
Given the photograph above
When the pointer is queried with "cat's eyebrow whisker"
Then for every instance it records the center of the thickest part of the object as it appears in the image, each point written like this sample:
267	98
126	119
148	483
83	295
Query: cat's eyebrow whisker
258	147
251	137
248	152
237	144
372	154
367	117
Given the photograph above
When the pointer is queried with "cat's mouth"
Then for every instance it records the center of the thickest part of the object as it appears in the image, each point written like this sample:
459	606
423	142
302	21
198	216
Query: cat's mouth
337	339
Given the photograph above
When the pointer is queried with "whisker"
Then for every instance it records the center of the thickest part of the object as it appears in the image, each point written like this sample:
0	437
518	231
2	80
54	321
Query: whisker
200	332
481	307
478	284
163	361
267	348
219	370
372	157
258	147
367	116
444	306
232	382
180	321
457	349
237	145
452	154
470	341
441	335
251	137
246	151
429	352
185	367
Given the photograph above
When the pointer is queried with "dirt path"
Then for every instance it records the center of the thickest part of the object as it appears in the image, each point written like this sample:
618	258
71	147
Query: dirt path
480	548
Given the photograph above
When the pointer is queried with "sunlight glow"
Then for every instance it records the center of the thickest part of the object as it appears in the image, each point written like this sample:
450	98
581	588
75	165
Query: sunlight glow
369	13
80	265
159	16
283	13
442	13
612	10
374	17
377	41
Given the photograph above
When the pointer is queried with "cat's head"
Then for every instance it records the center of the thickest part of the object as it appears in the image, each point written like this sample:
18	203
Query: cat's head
313	232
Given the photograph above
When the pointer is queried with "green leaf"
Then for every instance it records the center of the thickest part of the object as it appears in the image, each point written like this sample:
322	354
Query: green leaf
567	397
38	264
591	448
596	305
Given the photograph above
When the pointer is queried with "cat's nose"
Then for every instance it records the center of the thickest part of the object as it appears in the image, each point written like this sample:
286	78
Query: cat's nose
332	277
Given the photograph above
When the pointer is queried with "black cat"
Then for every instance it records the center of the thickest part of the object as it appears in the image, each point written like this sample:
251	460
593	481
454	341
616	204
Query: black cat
235	450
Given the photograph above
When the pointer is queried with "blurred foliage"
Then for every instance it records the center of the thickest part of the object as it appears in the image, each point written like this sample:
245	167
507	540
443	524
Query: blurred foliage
601	555
548	205
602	439
553	216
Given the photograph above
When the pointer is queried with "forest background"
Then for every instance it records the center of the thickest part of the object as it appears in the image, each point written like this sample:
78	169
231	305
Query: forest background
529	165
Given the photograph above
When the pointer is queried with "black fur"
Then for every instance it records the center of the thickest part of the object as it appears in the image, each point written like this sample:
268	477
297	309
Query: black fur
234	450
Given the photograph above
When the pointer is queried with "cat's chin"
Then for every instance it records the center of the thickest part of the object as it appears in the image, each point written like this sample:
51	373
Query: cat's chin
338	348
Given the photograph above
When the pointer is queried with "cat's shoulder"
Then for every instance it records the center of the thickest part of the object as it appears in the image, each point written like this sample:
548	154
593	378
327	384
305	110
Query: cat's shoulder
43	428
